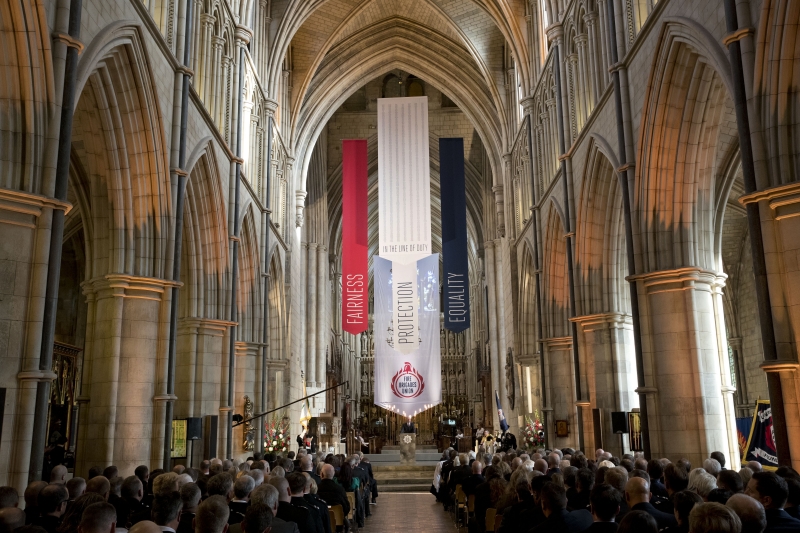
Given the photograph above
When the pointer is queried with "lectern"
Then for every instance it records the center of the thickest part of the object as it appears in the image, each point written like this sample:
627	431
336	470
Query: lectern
408	448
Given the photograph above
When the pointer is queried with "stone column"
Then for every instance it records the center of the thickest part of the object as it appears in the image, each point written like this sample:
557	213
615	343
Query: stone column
197	375
494	341
322	315
301	306
311	315
780	225
561	390
680	328
25	228
611	372
122	370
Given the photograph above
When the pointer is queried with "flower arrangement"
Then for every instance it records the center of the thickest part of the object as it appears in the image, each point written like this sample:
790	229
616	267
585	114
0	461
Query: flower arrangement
276	434
533	432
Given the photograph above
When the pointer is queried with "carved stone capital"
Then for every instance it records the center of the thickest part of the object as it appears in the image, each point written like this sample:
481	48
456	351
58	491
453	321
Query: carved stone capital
784	199
687	278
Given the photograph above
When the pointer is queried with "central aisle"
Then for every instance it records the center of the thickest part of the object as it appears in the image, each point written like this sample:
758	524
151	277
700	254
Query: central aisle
408	512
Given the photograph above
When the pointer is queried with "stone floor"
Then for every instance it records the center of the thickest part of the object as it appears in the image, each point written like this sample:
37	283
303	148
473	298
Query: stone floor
408	512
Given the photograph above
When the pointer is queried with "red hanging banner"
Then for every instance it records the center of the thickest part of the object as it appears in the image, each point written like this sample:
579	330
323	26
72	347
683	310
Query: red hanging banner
355	295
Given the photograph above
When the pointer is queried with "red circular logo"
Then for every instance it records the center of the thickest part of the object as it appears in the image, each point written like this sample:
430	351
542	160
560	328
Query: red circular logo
407	383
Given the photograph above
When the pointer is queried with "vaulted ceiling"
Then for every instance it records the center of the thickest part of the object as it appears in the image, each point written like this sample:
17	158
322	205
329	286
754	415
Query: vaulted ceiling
459	46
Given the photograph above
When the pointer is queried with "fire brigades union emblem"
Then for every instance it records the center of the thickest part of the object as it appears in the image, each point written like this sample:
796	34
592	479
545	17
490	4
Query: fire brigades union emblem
407	383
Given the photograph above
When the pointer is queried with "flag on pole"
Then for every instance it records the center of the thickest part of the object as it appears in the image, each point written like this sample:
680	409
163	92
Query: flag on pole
305	412
500	415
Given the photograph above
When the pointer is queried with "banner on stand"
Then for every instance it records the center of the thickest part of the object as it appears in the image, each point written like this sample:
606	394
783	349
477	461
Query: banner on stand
761	441
455	275
355	295
407	383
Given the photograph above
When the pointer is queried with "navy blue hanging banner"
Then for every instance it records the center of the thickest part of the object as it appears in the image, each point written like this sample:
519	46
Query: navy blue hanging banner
761	442
455	277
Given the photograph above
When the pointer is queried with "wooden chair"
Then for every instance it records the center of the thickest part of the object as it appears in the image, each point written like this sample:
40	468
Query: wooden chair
498	519
337	517
471	505
491	514
351	516
332	518
461	504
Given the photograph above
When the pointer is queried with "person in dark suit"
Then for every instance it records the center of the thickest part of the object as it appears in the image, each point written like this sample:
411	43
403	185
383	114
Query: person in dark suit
241	494
772	491
579	499
509	442
317	503
533	515
559	520
332	492
258	519
618	479
267	494
553	461
460	473
447	467
307	466
190	496
683	502
637	495
297	485
604	501
373	483
408	426
363	481
471	483
133	493
52	503
793	503
513	516
291	513
167	511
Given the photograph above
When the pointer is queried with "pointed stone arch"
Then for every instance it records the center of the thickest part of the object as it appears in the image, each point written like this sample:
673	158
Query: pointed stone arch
118	136
205	260
26	96
687	125
249	299
555	290
600	249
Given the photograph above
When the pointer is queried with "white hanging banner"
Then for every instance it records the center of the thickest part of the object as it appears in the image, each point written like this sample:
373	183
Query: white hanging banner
406	275
407	383
405	306
404	179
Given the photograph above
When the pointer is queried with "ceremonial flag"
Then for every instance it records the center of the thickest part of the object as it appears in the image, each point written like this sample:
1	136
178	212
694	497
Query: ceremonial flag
761	442
305	411
500	415
355	312
455	278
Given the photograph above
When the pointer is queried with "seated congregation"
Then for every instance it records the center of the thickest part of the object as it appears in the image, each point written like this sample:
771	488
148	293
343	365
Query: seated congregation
309	493
563	491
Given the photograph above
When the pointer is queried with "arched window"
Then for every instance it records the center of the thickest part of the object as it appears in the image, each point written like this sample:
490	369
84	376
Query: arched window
392	87
415	87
